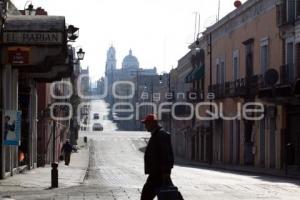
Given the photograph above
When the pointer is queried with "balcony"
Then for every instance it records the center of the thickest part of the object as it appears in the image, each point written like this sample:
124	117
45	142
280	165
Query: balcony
238	88
255	85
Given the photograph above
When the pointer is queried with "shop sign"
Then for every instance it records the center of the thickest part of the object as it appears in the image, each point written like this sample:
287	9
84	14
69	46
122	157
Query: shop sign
34	38
18	56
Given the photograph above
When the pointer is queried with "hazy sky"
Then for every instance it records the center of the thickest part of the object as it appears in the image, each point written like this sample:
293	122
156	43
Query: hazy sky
157	31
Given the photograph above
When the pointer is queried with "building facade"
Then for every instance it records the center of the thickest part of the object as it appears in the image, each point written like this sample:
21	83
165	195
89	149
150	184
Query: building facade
26	66
250	55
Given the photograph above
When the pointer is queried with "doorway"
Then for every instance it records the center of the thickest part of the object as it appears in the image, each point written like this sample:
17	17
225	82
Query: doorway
293	137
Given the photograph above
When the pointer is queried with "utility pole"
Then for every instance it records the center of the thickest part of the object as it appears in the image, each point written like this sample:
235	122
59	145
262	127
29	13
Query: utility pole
136	97
218	16
170	113
210	100
3	11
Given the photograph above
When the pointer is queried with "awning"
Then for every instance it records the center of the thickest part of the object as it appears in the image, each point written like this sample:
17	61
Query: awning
188	78
36	46
196	74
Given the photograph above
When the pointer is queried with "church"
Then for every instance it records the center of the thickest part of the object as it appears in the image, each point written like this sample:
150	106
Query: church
130	67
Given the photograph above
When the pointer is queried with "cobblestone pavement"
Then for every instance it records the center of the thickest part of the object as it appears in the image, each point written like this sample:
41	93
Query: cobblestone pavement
116	173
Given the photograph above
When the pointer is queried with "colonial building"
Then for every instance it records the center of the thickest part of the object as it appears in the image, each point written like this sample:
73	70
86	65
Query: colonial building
34	50
250	55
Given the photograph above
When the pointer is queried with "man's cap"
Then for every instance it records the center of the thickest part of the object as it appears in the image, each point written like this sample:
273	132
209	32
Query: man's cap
149	118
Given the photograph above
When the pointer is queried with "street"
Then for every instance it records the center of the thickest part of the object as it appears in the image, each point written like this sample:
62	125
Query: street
116	173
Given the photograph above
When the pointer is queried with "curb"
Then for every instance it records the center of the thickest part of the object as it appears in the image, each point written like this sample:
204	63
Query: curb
87	168
264	171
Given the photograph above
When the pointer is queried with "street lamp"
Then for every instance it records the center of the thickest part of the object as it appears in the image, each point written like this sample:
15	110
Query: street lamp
30	9
80	54
73	33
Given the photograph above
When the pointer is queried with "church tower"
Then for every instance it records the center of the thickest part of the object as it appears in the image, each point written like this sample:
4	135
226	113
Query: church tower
111	61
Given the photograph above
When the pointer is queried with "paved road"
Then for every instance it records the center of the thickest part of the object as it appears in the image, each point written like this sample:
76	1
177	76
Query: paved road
116	164
116	173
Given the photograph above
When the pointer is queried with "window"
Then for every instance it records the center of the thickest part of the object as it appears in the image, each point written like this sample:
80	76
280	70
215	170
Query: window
290	53
235	65
264	55
289	70
298	9
217	71
220	71
291	4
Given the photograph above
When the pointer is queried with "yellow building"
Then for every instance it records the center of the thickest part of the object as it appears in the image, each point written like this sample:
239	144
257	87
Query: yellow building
251	56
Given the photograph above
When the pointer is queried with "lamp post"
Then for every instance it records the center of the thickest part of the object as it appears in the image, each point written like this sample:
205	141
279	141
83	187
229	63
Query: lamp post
170	113
136	95
150	89
209	51
75	98
3	6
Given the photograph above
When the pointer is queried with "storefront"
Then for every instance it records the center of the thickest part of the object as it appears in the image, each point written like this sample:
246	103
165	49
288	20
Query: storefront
34	50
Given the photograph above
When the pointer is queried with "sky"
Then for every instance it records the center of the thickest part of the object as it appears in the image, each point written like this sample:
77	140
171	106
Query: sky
157	31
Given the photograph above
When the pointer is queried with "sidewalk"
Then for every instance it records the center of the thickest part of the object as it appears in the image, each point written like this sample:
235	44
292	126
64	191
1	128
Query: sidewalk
40	178
237	168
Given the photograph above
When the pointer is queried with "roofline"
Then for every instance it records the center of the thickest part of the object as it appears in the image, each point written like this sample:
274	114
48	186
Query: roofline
233	14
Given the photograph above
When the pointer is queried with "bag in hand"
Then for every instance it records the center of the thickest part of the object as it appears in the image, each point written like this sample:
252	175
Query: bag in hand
169	193
61	157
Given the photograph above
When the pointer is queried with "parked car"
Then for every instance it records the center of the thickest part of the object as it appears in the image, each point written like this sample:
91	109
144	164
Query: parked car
97	127
96	115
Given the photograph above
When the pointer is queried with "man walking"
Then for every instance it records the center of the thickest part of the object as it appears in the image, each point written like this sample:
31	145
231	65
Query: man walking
67	150
159	159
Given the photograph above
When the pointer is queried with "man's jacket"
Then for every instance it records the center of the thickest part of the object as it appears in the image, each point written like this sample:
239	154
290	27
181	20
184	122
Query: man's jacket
67	148
159	156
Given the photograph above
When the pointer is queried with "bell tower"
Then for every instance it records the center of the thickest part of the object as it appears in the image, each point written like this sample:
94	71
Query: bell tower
111	61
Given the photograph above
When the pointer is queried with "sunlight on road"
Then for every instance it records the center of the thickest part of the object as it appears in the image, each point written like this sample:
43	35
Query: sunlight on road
102	108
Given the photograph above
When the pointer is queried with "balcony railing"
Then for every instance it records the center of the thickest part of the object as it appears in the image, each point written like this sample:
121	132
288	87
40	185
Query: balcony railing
237	88
256	86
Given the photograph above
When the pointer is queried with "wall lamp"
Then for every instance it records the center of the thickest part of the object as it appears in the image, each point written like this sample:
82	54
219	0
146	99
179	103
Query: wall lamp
80	54
73	33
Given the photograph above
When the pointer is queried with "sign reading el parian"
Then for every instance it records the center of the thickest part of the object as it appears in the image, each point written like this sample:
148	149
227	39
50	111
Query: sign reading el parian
35	38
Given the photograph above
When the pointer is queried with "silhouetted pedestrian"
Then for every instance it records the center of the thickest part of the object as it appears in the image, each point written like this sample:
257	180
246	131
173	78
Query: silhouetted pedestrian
159	159
67	149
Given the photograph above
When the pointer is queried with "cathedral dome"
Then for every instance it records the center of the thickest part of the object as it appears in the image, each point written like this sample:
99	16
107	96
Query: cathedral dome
130	61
